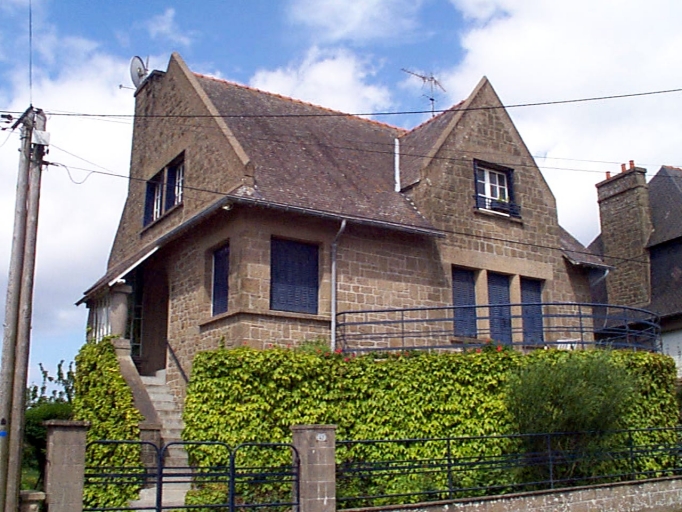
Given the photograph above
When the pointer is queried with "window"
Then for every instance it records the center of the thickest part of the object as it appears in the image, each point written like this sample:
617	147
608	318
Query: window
464	300
221	274
531	311
165	190
499	308
494	188
294	276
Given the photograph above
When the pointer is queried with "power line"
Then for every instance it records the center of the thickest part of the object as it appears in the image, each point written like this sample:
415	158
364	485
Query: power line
448	231
331	113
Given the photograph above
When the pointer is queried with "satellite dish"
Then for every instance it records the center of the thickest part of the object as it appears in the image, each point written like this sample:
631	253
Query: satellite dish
138	70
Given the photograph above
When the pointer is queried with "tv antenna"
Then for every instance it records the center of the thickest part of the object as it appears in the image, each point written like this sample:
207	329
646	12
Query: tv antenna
433	85
138	70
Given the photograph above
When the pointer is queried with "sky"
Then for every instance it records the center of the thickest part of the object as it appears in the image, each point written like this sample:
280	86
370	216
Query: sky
347	55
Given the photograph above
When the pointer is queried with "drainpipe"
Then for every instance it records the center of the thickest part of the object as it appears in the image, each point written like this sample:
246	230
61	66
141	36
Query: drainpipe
334	246
396	164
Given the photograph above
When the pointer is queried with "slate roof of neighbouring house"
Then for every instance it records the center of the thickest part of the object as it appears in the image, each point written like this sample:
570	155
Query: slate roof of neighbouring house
577	253
665	198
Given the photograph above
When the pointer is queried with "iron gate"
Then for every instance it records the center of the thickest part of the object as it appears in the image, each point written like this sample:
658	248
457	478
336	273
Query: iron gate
190	476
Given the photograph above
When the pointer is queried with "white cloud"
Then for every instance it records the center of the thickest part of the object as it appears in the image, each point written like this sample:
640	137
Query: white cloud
537	51
357	20
77	222
164	26
336	79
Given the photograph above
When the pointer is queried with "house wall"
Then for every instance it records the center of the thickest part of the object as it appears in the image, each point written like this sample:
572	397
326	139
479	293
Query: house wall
172	116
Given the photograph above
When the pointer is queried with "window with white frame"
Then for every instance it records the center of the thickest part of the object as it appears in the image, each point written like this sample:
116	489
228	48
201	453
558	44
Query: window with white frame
494	188
165	190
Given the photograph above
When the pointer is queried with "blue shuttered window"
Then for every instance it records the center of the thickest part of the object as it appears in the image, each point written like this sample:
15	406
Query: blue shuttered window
500	311
221	273
464	295
294	268
531	311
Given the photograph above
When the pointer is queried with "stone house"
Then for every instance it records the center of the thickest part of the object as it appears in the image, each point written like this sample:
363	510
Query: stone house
254	219
641	239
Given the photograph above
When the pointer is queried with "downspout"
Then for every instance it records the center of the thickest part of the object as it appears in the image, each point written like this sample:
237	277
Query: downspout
396	164
334	246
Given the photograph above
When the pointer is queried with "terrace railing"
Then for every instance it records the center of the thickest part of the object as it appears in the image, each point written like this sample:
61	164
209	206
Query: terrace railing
564	325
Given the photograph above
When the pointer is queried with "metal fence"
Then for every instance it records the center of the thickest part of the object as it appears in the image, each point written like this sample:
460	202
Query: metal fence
396	472
563	325
261	476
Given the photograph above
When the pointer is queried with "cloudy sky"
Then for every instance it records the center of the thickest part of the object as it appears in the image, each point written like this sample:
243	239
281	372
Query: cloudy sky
343	54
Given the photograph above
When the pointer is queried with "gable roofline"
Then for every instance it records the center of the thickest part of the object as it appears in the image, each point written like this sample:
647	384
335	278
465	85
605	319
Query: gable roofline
229	135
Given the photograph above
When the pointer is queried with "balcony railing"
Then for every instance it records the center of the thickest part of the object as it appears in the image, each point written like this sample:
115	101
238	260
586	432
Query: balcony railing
561	325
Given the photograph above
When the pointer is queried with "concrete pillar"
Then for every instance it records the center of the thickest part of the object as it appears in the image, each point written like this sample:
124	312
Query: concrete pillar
316	445
118	309
65	469
31	501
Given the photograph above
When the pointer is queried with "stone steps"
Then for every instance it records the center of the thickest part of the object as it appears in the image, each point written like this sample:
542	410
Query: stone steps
176	478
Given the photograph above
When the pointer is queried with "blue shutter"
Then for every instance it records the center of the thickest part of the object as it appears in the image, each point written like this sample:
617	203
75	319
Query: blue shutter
464	299
149	202
500	311
294	271
221	273
531	311
171	179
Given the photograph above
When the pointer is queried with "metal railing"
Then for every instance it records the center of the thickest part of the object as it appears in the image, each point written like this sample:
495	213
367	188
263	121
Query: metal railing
564	325
397	472
261	476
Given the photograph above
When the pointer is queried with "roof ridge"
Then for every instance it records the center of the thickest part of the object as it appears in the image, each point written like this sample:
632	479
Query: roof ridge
433	119
339	113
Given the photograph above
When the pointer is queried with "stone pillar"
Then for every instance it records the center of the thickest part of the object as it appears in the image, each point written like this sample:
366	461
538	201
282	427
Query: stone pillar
316	446
65	470
118	309
31	501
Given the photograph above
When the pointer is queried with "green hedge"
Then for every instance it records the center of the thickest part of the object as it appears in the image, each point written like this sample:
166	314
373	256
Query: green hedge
103	398
244	395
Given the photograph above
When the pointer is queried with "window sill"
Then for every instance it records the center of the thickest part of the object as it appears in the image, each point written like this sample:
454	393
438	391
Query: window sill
165	215
495	213
265	313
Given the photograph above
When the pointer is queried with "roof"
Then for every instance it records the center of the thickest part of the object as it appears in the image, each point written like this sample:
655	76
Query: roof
577	253
312	158
665	198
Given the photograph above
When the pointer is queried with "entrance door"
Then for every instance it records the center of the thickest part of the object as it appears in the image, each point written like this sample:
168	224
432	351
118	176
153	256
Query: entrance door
154	321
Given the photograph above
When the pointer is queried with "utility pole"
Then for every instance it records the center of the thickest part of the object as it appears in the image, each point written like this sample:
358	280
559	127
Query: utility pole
16	339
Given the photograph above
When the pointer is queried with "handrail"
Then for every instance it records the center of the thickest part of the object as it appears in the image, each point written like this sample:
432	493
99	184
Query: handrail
177	362
529	325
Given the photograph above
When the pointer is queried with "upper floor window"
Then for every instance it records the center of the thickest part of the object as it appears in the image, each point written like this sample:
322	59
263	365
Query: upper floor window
164	190
294	276
495	188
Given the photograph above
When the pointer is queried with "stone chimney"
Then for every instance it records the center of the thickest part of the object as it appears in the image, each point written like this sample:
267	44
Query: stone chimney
625	229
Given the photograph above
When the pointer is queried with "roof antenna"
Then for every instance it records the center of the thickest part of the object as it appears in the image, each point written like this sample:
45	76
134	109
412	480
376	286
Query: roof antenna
433	85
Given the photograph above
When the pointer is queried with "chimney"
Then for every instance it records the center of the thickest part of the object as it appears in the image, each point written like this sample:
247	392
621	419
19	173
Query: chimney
625	218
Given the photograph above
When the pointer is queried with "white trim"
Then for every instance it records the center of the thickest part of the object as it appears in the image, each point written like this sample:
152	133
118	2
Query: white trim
132	267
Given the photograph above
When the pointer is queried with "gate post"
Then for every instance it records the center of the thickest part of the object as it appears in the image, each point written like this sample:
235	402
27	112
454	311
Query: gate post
316	447
65	469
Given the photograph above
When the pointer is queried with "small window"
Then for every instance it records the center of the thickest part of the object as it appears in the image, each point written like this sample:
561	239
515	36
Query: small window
221	274
494	189
165	190
294	281
464	300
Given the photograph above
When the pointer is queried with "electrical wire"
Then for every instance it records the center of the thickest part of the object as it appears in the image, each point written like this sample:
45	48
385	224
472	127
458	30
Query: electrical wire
200	190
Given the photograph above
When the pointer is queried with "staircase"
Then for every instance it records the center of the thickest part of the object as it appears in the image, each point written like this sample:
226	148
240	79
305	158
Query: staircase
174	487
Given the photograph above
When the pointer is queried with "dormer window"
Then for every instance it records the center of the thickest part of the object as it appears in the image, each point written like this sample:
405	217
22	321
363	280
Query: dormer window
165	190
494	189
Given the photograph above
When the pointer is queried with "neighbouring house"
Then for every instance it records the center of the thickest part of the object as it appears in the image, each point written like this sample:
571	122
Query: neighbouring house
254	219
641	239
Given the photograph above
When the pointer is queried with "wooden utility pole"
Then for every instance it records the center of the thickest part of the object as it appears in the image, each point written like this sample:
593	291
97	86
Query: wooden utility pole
19	306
